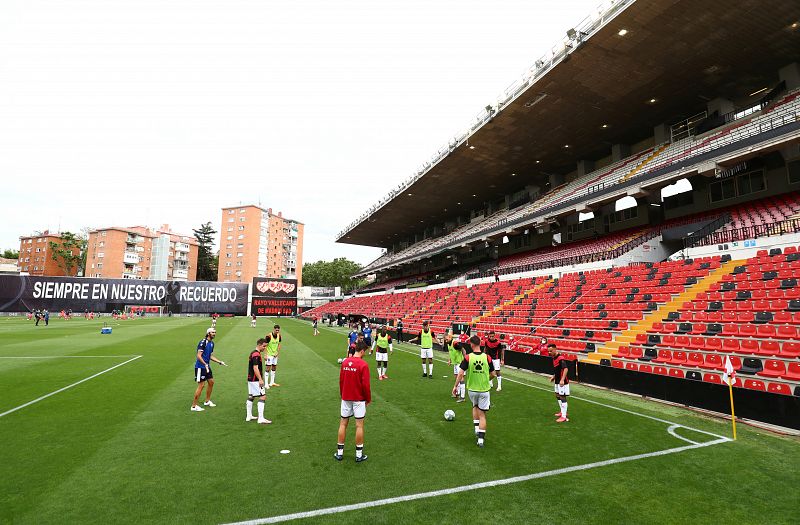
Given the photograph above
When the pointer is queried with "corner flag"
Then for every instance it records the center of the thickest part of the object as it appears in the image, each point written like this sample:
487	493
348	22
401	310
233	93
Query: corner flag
729	377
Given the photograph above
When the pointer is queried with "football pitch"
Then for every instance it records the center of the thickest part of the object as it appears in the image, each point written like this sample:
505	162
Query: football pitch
97	429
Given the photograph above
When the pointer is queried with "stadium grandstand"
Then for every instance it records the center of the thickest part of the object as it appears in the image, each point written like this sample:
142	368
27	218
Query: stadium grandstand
634	198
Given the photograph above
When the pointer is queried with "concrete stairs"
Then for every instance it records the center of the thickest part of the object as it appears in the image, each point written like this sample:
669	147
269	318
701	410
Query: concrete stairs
511	302
656	152
628	336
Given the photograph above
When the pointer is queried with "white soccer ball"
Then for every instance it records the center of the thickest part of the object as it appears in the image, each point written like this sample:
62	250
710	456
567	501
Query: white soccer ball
340	360
449	415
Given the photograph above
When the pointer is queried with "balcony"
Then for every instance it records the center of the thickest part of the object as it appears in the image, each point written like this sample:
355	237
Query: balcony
130	258
181	247
180	274
181	257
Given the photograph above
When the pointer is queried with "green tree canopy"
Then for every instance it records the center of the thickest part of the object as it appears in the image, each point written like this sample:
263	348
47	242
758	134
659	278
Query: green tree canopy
10	254
338	272
69	252
206	261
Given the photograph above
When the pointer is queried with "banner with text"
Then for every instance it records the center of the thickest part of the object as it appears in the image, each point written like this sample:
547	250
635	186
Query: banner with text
23	293
274	297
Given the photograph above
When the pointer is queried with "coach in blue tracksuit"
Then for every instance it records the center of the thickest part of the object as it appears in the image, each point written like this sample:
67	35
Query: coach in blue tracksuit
367	335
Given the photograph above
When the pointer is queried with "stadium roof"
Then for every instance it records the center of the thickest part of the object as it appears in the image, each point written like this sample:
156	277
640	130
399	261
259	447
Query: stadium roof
611	86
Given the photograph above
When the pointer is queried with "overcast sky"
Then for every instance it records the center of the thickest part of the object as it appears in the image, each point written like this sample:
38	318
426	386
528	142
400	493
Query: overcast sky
163	111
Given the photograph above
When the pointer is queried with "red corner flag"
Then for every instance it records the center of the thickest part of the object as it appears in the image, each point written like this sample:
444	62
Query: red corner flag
729	377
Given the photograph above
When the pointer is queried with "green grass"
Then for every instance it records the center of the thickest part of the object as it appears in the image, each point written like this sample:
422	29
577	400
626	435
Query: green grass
124	447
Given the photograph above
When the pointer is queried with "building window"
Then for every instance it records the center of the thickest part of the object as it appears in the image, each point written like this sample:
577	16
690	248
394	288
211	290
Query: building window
239	254
241	219
230	228
228	256
230	237
241	228
230	219
231	212
242	210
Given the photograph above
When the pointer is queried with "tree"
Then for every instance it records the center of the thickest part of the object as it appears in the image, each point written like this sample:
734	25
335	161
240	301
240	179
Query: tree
338	272
206	261
69	252
10	254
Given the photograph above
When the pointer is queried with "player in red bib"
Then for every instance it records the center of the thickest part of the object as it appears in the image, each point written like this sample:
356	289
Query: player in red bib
356	395
560	380
494	349
255	383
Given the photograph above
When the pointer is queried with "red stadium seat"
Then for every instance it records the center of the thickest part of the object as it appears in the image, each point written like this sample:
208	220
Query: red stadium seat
773	368
790	350
786	332
779	388
792	372
755	384
712	378
713	362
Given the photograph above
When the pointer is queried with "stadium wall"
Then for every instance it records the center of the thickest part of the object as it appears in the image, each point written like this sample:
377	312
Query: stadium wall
765	407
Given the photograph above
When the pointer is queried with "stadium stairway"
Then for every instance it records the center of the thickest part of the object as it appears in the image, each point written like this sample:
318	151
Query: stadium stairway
630	335
511	302
654	154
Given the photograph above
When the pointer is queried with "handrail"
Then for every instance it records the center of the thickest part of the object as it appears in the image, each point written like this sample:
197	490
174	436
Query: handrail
755	231
695	237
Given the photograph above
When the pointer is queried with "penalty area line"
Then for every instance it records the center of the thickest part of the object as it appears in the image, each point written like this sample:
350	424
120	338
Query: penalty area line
29	403
474	486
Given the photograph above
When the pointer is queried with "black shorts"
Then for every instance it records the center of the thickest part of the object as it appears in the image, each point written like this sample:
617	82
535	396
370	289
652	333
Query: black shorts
201	375
368	340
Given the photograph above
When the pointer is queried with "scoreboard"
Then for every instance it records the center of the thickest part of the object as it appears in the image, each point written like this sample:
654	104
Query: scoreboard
274	297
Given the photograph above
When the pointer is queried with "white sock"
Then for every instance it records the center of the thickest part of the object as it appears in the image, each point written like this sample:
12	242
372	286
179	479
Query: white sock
359	450
249	408
499	381
462	390
272	377
475	423
430	369
260	410
564	409
481	433
424	370
491	383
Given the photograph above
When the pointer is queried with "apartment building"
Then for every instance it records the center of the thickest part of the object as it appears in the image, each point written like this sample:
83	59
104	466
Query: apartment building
254	242
36	256
138	252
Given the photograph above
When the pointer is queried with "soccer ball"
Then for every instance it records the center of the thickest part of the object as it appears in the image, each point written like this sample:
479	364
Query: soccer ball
449	415
340	360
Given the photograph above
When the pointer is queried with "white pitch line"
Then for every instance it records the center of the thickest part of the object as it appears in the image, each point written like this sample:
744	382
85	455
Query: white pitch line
474	486
29	403
59	356
672	432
